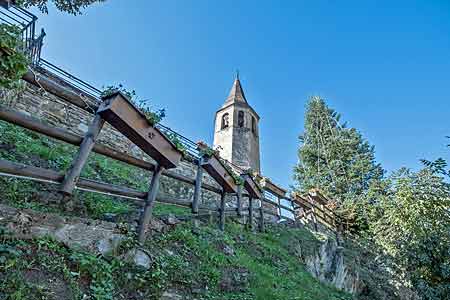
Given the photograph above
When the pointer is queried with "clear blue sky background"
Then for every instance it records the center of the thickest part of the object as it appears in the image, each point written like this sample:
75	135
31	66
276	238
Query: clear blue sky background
384	65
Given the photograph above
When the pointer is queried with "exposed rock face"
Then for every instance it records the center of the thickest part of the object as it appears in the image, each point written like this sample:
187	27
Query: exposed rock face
94	236
327	264
365	275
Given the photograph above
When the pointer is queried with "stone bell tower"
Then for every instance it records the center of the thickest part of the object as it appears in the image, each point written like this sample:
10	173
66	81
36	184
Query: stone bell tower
236	132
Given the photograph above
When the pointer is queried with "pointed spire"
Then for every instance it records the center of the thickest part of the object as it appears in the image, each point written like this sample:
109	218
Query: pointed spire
236	92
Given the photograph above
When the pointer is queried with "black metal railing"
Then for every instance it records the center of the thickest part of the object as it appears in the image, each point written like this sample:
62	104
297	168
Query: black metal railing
26	21
86	88
32	46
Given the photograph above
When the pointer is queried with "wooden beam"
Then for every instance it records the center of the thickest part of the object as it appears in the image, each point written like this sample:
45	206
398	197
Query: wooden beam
148	207
81	158
53	177
122	114
198	187
250	213
222	211
90	104
239	200
219	172
261	219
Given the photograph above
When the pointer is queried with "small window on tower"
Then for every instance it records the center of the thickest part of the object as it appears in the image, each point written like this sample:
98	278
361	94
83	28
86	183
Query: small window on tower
225	121
253	124
241	119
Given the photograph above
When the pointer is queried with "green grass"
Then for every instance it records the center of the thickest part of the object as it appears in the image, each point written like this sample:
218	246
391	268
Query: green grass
168	209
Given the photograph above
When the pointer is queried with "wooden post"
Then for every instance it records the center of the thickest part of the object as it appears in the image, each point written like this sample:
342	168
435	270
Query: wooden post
148	207
239	201
279	208
261	218
72	175
198	187
250	213
314	218
222	212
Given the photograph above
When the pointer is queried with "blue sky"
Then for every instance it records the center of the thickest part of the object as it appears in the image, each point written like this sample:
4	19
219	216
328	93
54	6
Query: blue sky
384	65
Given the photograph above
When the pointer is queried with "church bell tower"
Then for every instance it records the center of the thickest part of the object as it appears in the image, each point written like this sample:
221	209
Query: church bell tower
236	132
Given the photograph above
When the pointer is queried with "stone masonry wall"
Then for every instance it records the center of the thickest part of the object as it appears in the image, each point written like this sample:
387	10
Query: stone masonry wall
53	110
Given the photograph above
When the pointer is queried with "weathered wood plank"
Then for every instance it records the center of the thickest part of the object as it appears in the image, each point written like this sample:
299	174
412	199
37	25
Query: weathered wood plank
251	186
198	187
118	111
149	201
221	175
81	158
250	213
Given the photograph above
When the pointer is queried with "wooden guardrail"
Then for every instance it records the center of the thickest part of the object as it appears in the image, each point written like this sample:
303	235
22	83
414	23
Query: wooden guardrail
159	148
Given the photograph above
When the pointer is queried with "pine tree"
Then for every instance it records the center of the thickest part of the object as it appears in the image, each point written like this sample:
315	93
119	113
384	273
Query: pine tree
334	158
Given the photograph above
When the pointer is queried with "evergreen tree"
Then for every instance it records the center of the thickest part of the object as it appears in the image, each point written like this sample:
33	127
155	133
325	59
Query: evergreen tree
334	158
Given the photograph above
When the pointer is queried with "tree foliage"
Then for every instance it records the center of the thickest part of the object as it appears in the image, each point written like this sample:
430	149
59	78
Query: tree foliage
412	224
334	158
439	165
73	7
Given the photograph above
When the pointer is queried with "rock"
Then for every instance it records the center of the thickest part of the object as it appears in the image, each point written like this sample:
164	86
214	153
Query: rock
157	225
110	217
171	220
327	265
234	280
139	258
227	250
196	223
109	245
172	295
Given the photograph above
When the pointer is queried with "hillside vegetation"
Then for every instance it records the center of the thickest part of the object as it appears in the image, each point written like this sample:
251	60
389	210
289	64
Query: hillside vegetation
191	261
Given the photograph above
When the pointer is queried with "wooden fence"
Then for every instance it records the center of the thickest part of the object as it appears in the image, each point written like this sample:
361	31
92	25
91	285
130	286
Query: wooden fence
124	117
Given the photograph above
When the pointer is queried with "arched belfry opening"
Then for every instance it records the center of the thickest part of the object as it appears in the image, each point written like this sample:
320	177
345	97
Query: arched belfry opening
236	130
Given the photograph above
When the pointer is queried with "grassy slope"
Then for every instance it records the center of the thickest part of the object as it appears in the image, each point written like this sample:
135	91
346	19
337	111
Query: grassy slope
188	258
24	146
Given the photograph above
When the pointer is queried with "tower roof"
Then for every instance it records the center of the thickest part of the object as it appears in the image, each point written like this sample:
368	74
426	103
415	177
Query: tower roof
236	92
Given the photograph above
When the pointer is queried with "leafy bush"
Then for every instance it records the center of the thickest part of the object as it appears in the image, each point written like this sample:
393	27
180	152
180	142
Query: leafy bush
412	225
13	63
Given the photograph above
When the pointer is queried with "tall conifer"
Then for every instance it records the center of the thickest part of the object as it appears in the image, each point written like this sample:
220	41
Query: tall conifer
334	158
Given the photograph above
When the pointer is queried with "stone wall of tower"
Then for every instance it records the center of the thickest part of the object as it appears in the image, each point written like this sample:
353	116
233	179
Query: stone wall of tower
223	137
238	143
245	144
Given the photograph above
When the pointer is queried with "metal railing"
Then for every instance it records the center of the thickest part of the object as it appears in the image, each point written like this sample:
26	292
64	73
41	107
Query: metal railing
68	78
26	21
